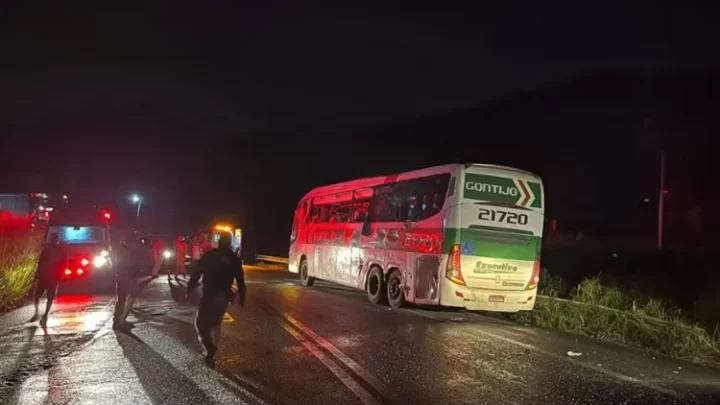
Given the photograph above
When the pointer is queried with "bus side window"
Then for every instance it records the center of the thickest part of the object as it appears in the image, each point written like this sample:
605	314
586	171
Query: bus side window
385	205
451	189
422	198
315	213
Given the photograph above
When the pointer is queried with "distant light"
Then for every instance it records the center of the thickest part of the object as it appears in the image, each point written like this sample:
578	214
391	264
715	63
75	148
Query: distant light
107	215
167	254
646	200
615	255
135	198
64	196
41	208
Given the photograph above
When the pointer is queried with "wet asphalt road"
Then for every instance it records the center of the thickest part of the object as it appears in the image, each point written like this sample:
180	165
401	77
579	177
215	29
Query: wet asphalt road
321	345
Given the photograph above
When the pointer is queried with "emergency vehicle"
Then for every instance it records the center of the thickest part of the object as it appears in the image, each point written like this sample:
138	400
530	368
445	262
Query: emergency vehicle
85	236
208	239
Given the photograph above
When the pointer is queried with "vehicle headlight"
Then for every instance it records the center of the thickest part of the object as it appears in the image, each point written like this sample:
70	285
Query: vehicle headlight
167	254
104	253
100	261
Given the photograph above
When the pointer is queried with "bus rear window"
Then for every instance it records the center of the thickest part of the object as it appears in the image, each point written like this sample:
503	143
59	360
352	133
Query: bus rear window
75	235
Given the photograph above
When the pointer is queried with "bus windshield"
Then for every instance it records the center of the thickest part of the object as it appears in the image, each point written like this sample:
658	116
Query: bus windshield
77	235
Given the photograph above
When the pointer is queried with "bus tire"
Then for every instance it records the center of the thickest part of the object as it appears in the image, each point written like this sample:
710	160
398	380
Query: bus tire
375	286
395	291
305	278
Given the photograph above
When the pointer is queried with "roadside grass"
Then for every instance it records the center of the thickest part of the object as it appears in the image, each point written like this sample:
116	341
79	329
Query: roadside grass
609	314
19	252
271	266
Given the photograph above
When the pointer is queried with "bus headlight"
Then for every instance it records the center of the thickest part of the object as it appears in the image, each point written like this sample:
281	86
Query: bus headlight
100	261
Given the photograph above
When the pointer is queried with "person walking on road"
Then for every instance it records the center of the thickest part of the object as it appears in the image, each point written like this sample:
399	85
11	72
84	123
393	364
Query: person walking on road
158	247
217	268
126	283
47	275
180	252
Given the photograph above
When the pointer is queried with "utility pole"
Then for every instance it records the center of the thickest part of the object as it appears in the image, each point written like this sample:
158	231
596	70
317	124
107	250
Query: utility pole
661	201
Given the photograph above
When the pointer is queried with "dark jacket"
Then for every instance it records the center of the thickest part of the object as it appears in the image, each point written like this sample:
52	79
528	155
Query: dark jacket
53	261
125	261
218	268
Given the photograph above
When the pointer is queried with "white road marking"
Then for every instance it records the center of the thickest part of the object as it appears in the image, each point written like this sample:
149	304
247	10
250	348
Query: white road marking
613	374
344	377
358	369
609	373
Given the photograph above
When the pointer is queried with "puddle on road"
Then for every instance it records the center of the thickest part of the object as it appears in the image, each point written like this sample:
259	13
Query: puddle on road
63	324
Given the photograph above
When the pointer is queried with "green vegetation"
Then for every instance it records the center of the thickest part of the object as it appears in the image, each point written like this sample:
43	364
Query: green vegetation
19	252
609	314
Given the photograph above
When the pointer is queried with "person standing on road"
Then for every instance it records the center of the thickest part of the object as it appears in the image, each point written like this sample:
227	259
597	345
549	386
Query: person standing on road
158	247
47	275
180	252
217	268
126	282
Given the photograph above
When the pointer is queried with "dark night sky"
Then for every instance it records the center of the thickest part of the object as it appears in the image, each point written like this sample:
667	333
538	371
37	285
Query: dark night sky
194	105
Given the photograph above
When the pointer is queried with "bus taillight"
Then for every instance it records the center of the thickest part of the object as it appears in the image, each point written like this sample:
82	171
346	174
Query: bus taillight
535	275
453	266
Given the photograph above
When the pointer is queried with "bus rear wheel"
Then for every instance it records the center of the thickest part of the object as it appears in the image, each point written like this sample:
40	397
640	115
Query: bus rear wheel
395	291
375	286
305	278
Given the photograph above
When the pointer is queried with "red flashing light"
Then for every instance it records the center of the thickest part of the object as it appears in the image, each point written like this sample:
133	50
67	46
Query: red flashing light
80	272
68	272
84	262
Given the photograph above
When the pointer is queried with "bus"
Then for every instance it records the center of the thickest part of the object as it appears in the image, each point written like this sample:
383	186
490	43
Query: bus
457	235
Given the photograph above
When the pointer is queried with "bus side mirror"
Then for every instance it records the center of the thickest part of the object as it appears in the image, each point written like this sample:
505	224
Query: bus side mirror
366	229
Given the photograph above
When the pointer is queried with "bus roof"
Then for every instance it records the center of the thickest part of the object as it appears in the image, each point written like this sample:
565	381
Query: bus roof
377	180
506	168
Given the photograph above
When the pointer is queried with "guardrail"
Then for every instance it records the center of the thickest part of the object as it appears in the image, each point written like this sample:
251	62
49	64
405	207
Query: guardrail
272	259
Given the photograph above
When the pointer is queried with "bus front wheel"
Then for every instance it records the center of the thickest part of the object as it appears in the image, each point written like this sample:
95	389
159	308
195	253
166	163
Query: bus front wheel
395	291
305	278
375	286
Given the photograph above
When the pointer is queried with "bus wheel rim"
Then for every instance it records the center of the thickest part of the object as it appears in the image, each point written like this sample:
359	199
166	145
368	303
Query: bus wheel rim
395	289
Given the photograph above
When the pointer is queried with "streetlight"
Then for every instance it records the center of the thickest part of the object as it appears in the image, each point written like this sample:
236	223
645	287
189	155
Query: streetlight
137	200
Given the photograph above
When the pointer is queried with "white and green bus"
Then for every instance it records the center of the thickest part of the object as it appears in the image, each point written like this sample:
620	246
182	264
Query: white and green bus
458	235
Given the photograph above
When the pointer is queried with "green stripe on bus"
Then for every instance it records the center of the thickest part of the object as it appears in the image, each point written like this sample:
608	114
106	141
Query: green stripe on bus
537	191
496	244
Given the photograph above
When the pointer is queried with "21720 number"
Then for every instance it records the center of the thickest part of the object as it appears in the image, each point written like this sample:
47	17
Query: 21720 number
502	216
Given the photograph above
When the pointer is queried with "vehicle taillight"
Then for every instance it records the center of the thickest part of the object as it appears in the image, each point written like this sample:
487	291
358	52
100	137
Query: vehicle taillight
80	272
68	272
84	262
453	266
535	275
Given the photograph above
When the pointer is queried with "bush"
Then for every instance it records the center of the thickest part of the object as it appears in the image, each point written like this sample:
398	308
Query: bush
609	314
19	252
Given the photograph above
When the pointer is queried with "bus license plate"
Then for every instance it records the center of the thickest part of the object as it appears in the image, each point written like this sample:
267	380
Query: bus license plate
497	298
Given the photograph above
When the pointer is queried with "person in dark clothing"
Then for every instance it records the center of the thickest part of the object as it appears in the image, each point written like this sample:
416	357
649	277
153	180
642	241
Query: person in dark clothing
126	282
47	275
218	268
